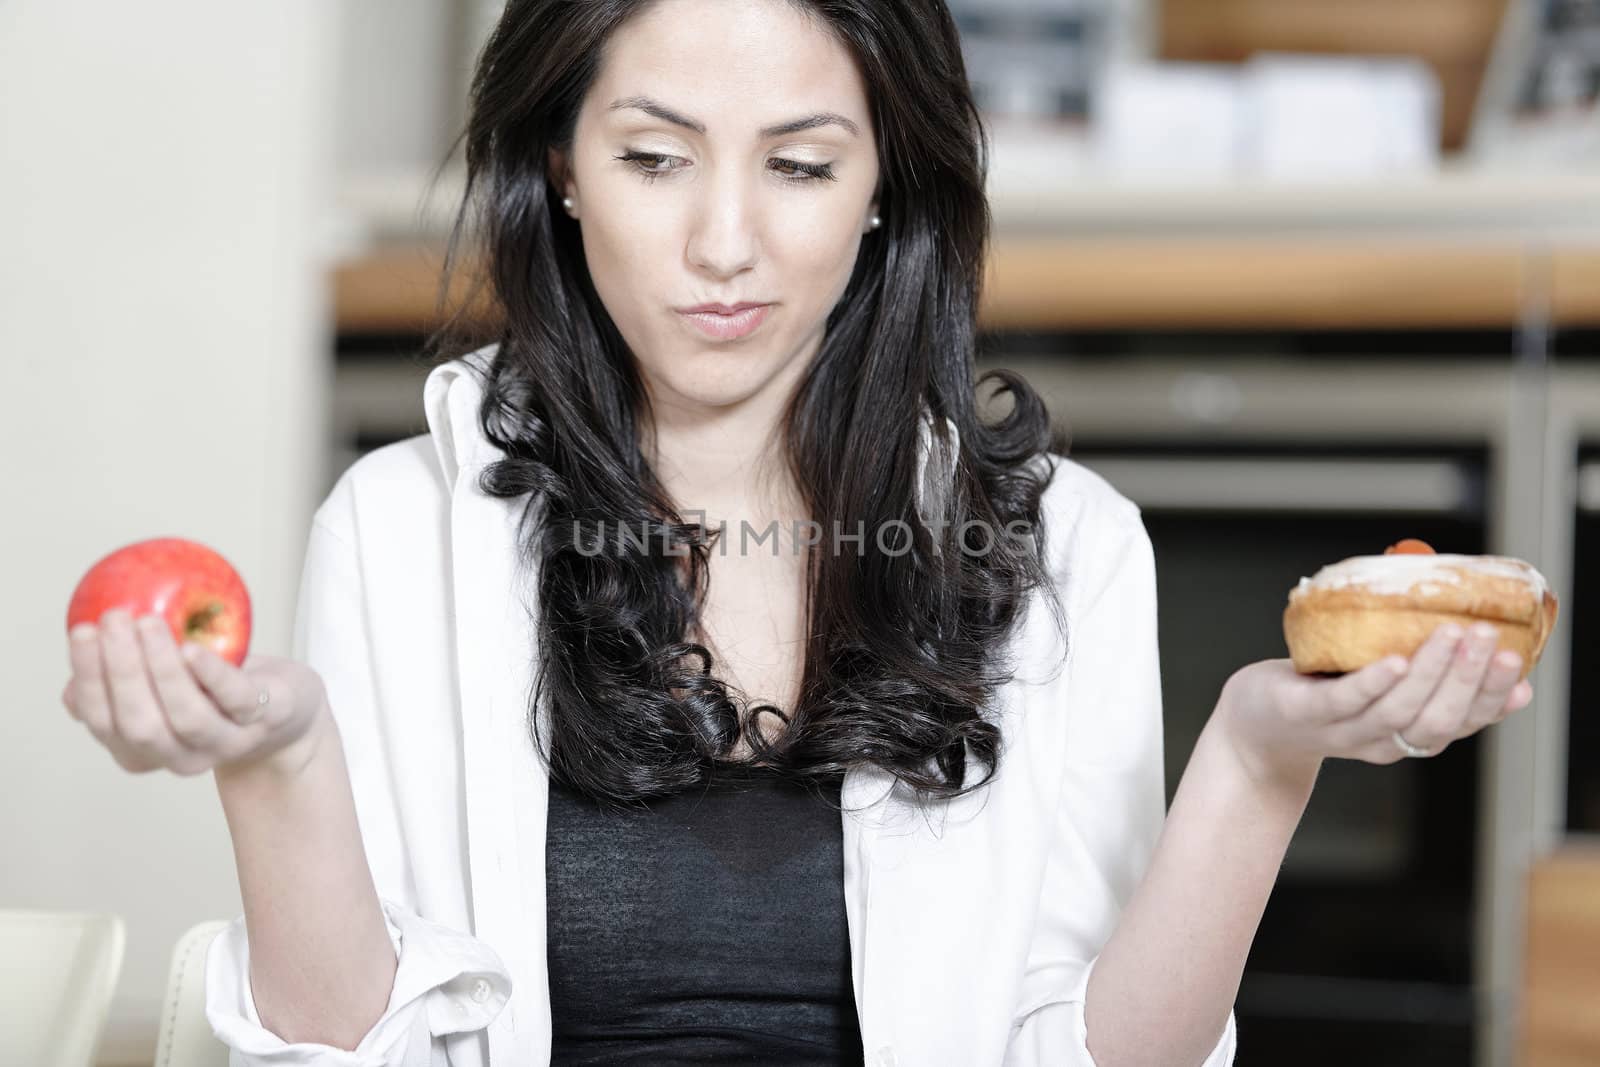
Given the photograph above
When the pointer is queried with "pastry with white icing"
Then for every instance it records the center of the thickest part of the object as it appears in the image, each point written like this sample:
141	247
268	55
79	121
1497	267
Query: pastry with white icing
1359	610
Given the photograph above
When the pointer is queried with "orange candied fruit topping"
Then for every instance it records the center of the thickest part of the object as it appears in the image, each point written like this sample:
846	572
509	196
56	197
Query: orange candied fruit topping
1409	546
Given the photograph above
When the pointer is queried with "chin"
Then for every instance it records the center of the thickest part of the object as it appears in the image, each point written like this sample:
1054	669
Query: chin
720	378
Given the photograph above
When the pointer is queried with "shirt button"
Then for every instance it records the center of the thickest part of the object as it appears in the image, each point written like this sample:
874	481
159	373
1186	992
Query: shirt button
480	990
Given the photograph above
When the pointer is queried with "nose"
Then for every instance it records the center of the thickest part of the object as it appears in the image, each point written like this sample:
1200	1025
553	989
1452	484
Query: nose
724	221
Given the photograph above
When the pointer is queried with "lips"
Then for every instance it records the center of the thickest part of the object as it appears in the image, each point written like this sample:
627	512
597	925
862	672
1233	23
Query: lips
722	322
723	309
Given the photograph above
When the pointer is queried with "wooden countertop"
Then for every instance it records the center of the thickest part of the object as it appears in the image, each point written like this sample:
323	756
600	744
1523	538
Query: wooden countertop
1078	281
1561	980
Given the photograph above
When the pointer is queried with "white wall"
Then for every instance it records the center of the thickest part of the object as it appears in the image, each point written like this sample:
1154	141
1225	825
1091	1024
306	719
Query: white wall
164	344
400	83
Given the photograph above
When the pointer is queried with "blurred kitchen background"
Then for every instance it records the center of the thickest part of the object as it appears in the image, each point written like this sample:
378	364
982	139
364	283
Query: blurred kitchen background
1301	277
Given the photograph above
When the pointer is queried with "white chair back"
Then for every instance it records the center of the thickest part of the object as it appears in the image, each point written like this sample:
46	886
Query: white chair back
185	1038
58	971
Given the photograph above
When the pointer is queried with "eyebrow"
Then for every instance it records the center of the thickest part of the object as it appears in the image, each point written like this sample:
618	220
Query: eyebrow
666	114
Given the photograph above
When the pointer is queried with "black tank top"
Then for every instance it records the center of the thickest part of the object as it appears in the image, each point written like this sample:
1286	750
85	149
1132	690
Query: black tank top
709	928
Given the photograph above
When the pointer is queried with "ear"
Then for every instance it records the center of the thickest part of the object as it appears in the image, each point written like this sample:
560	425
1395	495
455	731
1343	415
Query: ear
556	167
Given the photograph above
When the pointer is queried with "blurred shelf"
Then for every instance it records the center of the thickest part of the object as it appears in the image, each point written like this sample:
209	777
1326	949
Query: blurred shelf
1039	182
1280	283
1453	36
1062	283
1452	204
1457	249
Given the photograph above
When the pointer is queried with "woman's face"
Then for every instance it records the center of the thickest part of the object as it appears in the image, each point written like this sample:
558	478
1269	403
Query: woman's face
715	206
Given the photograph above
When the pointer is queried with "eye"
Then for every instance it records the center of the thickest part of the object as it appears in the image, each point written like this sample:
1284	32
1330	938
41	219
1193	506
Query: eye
808	172
649	171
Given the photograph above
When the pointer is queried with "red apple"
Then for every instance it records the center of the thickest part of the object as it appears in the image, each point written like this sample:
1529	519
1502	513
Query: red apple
198	592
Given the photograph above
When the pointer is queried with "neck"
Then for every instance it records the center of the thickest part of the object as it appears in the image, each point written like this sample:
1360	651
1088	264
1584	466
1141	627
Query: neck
723	463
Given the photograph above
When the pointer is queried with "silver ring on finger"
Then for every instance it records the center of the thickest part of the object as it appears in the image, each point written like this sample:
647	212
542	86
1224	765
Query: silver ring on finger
250	715
1407	747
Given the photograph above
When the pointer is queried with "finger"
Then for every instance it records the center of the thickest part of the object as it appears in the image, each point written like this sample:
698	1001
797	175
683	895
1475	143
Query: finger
1444	716
1493	700
1521	697
91	703
137	718
1350	694
192	716
233	691
1399	707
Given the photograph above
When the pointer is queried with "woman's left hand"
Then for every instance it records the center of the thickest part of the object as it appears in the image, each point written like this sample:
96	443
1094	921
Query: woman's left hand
1282	724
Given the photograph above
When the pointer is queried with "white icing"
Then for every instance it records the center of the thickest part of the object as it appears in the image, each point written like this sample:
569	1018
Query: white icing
1398	572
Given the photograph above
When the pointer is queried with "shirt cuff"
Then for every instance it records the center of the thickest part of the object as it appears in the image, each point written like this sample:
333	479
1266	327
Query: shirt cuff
1056	1025
446	982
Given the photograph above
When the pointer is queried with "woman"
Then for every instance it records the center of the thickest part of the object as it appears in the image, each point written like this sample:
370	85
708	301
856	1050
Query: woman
885	787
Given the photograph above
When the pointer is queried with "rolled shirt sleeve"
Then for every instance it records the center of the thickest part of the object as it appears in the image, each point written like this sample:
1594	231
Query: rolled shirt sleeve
1054	1033
446	980
1113	799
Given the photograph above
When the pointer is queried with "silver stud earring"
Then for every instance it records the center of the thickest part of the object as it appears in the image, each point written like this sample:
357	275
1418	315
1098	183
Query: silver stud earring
875	223
566	202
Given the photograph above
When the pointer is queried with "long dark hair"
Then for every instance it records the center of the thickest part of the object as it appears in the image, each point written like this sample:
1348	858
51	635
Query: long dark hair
904	650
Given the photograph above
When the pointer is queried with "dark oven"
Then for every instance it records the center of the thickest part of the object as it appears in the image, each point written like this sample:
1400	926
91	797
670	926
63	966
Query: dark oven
1251	474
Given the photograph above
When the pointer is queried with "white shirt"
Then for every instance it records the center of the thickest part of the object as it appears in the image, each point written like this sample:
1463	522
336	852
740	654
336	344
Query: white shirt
973	925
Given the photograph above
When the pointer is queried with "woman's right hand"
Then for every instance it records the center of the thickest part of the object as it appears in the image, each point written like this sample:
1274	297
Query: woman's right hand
134	689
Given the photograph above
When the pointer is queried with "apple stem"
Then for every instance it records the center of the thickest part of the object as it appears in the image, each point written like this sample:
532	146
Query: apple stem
198	623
